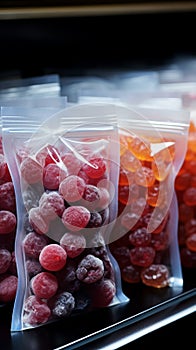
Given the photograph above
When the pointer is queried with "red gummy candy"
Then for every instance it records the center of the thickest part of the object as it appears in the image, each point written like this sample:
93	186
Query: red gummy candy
31	171
8	288
96	169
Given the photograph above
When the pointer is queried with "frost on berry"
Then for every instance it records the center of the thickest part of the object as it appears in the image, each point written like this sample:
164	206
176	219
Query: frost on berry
31	171
51	205
33	244
72	188
36	220
90	269
53	257
44	285
73	243
31	195
52	176
36	311
76	217
62	304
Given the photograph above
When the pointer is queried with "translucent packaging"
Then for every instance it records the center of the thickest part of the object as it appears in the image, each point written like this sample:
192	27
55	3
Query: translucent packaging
65	172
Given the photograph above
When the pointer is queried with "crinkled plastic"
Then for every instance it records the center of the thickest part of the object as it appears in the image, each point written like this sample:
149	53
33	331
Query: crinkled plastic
65	171
153	146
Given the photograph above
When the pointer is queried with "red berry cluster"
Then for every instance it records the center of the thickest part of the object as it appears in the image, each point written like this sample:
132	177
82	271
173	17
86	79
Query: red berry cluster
8	222
66	261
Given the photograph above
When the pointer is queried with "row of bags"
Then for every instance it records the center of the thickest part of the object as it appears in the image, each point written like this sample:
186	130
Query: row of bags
93	185
88	200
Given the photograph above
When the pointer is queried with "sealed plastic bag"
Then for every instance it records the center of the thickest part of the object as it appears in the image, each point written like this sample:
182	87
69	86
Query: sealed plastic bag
65	172
153	146
8	219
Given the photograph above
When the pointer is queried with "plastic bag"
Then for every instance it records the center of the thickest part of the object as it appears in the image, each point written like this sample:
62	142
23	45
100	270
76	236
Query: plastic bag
153	146
48	85
185	186
65	174
8	217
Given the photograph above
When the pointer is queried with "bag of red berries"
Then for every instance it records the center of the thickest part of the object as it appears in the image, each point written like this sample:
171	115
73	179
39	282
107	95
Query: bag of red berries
8	223
153	143
65	170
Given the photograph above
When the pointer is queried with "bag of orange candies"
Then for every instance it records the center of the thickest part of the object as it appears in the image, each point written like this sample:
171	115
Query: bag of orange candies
65	172
153	143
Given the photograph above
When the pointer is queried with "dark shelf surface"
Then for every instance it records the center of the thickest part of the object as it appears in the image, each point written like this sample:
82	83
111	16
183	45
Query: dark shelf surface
148	310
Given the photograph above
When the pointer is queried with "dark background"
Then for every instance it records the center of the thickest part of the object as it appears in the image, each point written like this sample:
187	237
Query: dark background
77	46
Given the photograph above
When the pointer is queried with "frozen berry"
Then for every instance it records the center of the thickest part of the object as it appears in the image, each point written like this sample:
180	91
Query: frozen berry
91	197
62	304
72	188
31	170
76	217
33	244
52	176
51	205
7	195
44	285
53	257
73	243
90	269
102	293
36	220
7	221
8	288
5	260
36	311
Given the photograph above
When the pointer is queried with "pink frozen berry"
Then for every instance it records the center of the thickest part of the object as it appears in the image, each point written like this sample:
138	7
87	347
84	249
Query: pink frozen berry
33	244
72	163
72	188
37	221
52	176
44	285
73	243
51	205
31	170
36	311
76	217
53	257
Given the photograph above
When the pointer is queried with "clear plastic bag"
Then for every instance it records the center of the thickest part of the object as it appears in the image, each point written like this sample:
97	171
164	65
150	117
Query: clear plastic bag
65	171
153	146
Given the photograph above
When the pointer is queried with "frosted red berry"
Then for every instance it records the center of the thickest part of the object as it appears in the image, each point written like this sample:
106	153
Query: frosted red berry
72	188
36	311
53	257
33	243
73	243
96	169
31	171
90	269
51	205
8	287
44	285
76	217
